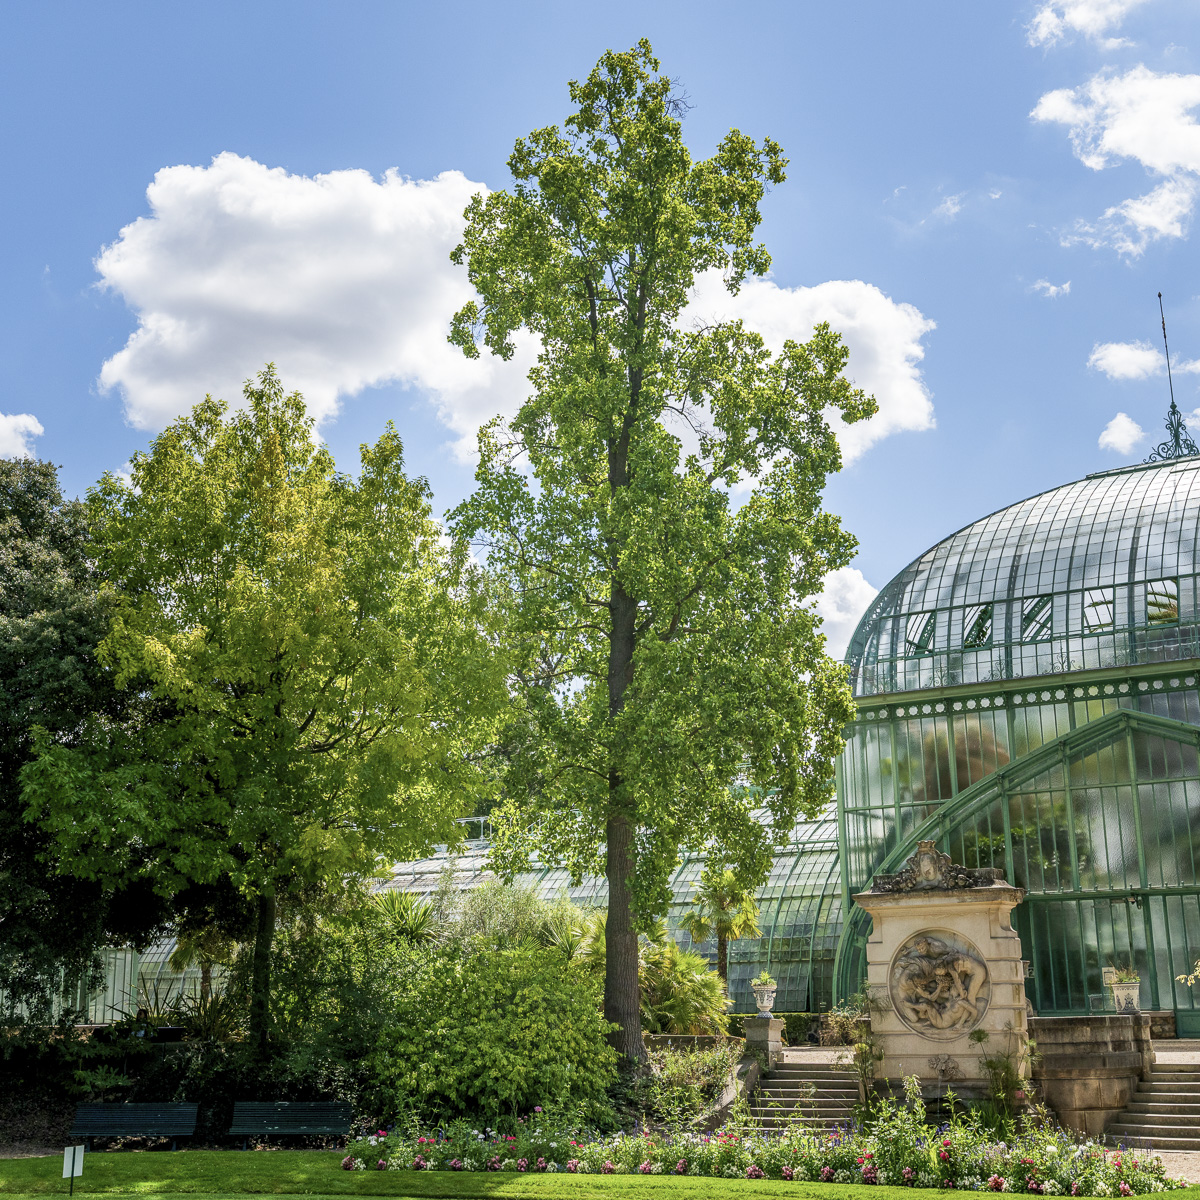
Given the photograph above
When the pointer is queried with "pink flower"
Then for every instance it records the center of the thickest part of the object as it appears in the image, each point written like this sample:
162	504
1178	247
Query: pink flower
348	1163
381	1165
607	1168
995	1183
787	1172
540	1165
943	1155
645	1168
522	1164
537	1108
753	1171
1125	1189
826	1174
456	1164
681	1167
572	1163
418	1163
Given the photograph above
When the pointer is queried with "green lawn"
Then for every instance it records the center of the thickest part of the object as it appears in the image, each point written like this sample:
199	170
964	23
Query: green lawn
225	1174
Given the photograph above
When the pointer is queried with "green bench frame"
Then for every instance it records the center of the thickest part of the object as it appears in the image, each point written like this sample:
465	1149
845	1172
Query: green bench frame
290	1118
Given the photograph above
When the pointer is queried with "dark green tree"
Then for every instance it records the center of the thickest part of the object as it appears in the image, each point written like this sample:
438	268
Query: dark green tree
668	645
53	615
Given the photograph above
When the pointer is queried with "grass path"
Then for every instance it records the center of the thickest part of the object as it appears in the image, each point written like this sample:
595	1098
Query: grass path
230	1174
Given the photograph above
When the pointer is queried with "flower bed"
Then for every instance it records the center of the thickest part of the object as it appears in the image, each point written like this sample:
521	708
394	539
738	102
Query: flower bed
899	1148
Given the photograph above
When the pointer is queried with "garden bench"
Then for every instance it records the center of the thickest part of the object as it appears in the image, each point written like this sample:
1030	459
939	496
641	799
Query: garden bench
134	1120
290	1118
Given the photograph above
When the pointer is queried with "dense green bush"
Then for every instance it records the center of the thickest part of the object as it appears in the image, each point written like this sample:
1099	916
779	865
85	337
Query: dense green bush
686	1084
493	1032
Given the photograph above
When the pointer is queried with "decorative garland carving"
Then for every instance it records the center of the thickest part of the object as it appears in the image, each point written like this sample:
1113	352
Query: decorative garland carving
929	869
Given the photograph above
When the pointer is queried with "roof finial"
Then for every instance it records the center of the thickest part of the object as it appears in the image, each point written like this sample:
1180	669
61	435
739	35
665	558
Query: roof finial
1180	444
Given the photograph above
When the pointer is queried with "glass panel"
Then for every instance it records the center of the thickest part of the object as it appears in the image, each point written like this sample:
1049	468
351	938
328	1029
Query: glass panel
1036	618
1097	609
919	634
978	626
1162	602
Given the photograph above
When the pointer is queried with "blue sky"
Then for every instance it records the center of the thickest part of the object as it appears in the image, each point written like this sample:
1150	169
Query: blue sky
954	166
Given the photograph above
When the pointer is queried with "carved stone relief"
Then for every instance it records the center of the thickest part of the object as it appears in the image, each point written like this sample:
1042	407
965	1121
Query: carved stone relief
930	869
939	984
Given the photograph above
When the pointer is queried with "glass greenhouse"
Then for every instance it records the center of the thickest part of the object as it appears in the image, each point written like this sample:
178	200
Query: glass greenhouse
1027	696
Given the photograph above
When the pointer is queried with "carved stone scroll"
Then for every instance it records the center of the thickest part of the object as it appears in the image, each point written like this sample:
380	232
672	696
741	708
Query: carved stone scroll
929	869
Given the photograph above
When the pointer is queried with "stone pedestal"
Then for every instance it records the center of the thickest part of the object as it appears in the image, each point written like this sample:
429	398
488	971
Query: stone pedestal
765	1034
943	961
1090	1065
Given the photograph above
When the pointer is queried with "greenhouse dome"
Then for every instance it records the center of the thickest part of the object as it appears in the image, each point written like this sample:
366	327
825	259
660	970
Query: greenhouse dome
1027	696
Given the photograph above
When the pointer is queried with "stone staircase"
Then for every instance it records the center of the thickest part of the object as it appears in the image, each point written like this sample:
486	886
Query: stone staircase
783	1098
1164	1112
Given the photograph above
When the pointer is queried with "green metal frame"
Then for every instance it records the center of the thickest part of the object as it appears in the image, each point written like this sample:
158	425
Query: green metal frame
976	800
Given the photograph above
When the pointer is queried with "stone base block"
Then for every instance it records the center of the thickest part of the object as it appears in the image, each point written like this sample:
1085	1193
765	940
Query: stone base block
765	1034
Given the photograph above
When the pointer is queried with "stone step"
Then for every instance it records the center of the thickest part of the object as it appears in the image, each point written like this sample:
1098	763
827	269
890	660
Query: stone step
1160	1087
802	1110
1177	1069
810	1073
1161	1117
774	1089
1157	1137
1158	1106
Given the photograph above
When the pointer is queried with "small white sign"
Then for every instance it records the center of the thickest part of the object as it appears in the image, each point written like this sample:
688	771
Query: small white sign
72	1162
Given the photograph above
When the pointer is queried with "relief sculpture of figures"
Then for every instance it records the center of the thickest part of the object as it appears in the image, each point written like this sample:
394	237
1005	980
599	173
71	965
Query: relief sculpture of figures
938	986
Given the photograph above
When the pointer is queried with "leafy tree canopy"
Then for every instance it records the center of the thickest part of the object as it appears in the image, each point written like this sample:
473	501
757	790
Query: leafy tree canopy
667	642
317	661
53	616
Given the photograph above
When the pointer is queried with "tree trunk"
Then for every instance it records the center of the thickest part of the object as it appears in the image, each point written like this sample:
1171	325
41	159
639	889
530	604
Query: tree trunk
723	960
205	979
260	983
621	997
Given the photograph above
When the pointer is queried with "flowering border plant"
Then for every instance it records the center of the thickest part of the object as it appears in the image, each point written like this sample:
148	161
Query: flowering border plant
897	1147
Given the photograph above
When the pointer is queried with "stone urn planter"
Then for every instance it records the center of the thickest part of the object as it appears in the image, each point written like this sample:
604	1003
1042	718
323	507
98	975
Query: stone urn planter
1125	995
764	997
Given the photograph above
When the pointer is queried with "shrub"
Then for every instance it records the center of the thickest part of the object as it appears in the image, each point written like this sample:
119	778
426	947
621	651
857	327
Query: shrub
686	1084
492	1032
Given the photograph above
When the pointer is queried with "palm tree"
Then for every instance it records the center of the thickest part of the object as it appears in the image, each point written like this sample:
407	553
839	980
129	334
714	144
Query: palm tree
721	906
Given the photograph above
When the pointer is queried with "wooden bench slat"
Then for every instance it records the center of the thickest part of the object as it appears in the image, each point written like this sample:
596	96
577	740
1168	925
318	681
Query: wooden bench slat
135	1120
291	1117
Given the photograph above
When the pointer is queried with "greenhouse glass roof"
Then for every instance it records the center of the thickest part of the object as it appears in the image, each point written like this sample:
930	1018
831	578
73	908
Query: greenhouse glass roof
1096	573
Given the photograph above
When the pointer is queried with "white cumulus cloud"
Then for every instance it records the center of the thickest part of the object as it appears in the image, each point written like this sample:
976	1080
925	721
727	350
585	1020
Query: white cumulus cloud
343	280
1126	360
841	606
882	335
1141	115
16	432
1093	18
1051	290
1121	434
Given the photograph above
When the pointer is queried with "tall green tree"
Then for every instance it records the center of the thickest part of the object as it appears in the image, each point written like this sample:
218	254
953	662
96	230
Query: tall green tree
318	661
667	638
53	615
721	906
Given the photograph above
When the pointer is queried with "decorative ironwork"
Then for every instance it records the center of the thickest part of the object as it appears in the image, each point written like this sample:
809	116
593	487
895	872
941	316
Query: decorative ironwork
929	869
1179	444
